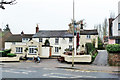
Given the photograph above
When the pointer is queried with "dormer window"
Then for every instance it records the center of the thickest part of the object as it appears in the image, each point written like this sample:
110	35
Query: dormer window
56	40
70	40
40	39
25	39
88	36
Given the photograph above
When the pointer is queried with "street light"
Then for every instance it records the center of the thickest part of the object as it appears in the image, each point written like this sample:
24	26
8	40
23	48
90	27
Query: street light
73	37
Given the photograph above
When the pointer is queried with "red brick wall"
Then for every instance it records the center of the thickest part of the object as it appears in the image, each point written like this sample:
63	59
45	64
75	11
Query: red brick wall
114	59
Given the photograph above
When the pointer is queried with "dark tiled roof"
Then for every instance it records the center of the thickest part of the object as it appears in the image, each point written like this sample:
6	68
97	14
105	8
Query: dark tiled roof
89	32
18	37
52	33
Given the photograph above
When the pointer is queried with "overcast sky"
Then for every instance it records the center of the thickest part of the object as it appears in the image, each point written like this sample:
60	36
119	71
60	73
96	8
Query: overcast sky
54	14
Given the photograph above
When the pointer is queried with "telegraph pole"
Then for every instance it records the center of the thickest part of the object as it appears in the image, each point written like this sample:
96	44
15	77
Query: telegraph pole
73	37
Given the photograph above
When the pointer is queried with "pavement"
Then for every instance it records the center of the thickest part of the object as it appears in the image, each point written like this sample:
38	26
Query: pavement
101	59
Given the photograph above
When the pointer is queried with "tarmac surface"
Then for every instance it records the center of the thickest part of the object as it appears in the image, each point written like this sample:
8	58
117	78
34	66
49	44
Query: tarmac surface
51	68
101	59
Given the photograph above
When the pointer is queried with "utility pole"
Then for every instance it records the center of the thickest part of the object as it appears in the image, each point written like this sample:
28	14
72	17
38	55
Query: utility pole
73	37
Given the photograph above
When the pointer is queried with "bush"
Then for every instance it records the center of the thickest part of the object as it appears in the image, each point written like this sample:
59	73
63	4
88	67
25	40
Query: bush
4	53
7	50
67	49
113	48
94	56
91	50
100	44
89	47
47	43
11	55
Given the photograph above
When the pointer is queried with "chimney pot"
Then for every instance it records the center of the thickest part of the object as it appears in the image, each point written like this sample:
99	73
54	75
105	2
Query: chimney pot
22	32
37	29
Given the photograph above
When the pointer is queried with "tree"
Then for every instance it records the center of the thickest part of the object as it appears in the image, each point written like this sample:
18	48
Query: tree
105	25
5	2
47	43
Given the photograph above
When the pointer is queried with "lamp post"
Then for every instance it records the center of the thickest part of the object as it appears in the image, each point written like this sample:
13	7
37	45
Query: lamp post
73	37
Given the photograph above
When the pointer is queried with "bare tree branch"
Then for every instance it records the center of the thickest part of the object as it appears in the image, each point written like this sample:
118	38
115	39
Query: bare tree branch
12	2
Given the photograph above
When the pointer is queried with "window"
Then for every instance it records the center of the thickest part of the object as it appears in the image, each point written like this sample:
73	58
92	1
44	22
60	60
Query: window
56	40
40	39
13	43
70	47
25	39
117	41
88	36
70	40
56	49
19	49
32	49
118	26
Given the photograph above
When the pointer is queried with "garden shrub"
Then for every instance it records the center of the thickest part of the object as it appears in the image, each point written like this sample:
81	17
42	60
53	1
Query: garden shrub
7	50
4	53
113	48
11	55
47	43
94	56
89	47
91	50
100	44
1	52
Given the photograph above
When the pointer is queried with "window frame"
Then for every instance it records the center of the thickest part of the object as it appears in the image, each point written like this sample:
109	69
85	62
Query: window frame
56	40
25	39
88	36
56	49
31	50
70	47
40	40
19	50
117	41
70	39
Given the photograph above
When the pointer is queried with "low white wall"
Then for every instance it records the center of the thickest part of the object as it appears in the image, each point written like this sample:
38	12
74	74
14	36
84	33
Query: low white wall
9	58
78	58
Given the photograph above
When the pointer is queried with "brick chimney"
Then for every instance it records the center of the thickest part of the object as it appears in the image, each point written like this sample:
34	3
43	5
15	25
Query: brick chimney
110	26
22	33
37	29
81	23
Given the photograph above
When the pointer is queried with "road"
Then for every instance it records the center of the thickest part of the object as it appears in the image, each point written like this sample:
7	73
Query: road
52	73
50	68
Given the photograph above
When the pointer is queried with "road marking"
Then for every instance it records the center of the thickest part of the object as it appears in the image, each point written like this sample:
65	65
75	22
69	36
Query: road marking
49	68
62	75
18	71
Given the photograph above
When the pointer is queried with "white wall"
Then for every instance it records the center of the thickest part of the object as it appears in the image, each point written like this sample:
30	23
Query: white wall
63	43
8	44
35	39
115	27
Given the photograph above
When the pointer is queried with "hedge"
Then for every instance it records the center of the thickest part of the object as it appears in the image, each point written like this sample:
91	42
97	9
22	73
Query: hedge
4	53
113	48
90	48
11	55
100	44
